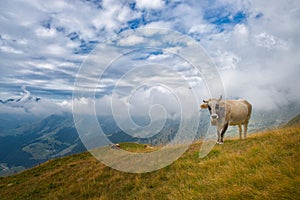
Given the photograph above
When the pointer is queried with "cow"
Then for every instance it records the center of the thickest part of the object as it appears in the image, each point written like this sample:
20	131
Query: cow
224	113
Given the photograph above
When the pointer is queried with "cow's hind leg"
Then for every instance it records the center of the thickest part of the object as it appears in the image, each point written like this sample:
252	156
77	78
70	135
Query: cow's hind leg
245	130
240	131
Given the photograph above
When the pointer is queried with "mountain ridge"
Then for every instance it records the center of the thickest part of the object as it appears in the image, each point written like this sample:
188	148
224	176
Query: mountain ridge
295	121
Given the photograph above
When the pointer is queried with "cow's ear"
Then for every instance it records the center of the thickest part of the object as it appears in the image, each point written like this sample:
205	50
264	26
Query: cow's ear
204	106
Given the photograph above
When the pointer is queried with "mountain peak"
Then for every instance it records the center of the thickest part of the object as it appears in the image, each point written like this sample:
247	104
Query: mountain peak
25	97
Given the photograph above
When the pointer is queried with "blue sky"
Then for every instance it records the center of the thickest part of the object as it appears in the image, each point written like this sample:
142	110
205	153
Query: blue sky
254	44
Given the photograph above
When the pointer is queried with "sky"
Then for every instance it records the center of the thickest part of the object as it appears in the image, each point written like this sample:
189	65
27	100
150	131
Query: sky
254	46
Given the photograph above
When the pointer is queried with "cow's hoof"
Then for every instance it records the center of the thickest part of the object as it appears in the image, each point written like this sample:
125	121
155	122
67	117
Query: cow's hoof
220	143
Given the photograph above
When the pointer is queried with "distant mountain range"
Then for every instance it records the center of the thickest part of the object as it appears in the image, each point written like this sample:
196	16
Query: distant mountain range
56	136
36	99
26	97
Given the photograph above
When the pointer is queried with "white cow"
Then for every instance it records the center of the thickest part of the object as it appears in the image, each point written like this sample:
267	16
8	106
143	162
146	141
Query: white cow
228	112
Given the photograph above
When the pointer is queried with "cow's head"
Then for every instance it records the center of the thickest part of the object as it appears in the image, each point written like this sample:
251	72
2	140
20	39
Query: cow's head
213	105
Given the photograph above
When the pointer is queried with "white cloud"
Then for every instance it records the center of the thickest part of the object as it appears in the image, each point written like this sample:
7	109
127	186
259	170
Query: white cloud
159	57
44	32
202	28
269	41
9	49
258	57
226	60
139	104
159	24
131	40
149	4
241	33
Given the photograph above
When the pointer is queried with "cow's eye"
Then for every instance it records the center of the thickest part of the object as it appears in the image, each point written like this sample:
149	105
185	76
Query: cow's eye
217	106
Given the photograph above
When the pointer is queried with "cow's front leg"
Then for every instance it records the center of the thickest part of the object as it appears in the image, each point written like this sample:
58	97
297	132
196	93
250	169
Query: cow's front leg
224	129
219	136
219	132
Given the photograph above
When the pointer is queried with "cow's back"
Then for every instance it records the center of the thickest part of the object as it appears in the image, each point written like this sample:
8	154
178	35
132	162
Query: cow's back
238	111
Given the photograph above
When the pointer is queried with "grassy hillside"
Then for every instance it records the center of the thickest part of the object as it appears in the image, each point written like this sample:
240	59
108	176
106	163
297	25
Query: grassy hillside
294	122
265	166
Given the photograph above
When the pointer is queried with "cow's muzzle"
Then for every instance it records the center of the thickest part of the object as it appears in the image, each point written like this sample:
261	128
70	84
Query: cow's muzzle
214	116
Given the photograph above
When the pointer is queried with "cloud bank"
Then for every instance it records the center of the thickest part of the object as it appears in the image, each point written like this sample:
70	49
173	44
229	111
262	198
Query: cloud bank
254	44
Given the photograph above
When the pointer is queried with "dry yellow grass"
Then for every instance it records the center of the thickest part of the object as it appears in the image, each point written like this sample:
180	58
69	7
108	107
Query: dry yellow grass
265	166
